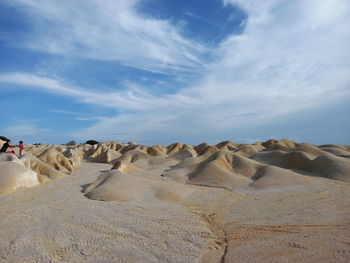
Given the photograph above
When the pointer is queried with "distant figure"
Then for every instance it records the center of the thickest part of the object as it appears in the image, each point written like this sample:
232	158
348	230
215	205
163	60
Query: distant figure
21	148
5	146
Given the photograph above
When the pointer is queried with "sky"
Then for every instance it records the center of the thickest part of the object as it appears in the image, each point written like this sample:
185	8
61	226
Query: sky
164	71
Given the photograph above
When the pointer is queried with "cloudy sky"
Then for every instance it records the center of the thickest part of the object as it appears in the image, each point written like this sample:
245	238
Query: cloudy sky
160	71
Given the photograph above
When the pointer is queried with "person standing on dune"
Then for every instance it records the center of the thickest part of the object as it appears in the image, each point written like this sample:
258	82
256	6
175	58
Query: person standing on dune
21	148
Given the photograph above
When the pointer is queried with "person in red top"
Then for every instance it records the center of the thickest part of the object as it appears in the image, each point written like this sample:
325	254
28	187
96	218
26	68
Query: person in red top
21	148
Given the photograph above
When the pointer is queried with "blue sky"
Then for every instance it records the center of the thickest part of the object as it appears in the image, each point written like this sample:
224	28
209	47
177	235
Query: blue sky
155	71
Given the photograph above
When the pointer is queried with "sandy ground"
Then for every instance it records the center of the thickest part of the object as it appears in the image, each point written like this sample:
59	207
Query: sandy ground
55	222
308	223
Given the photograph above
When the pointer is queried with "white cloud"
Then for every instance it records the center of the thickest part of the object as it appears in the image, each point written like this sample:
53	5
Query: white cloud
110	31
90	118
293	56
66	112
24	130
285	58
133	98
79	116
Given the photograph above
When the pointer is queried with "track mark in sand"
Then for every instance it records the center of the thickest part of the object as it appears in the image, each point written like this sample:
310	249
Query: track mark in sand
343	253
304	243
4	217
65	251
217	248
151	237
107	229
296	245
49	244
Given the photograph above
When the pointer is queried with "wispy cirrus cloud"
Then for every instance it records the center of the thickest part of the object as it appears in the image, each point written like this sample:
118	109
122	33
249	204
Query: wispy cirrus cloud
80	116
132	98
108	31
90	118
66	112
24	130
292	56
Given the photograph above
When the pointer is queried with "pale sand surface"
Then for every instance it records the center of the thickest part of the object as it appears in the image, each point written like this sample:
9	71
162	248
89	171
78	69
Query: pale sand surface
308	223
56	223
276	201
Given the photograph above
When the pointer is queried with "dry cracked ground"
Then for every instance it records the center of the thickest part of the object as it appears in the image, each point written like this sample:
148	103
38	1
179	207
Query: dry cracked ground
273	201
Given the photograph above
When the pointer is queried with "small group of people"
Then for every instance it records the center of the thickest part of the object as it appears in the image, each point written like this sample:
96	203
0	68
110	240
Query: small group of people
7	144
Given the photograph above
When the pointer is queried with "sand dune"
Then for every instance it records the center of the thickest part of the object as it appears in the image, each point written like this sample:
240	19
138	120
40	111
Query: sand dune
227	145
45	172
290	160
103	154
325	165
221	169
248	150
309	149
5	157
36	150
332	167
270	201
176	147
185	153
115	185
1	142
14	175
56	160
270	176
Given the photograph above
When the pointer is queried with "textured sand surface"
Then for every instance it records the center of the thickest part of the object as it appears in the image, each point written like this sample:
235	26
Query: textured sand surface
55	222
275	201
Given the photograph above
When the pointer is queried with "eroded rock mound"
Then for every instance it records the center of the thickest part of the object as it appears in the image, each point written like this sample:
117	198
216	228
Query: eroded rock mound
36	150
227	145
100	153
14	175
185	153
271	176
324	165
115	185
45	172
6	157
56	160
205	149
332	167
248	150
174	148
221	169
